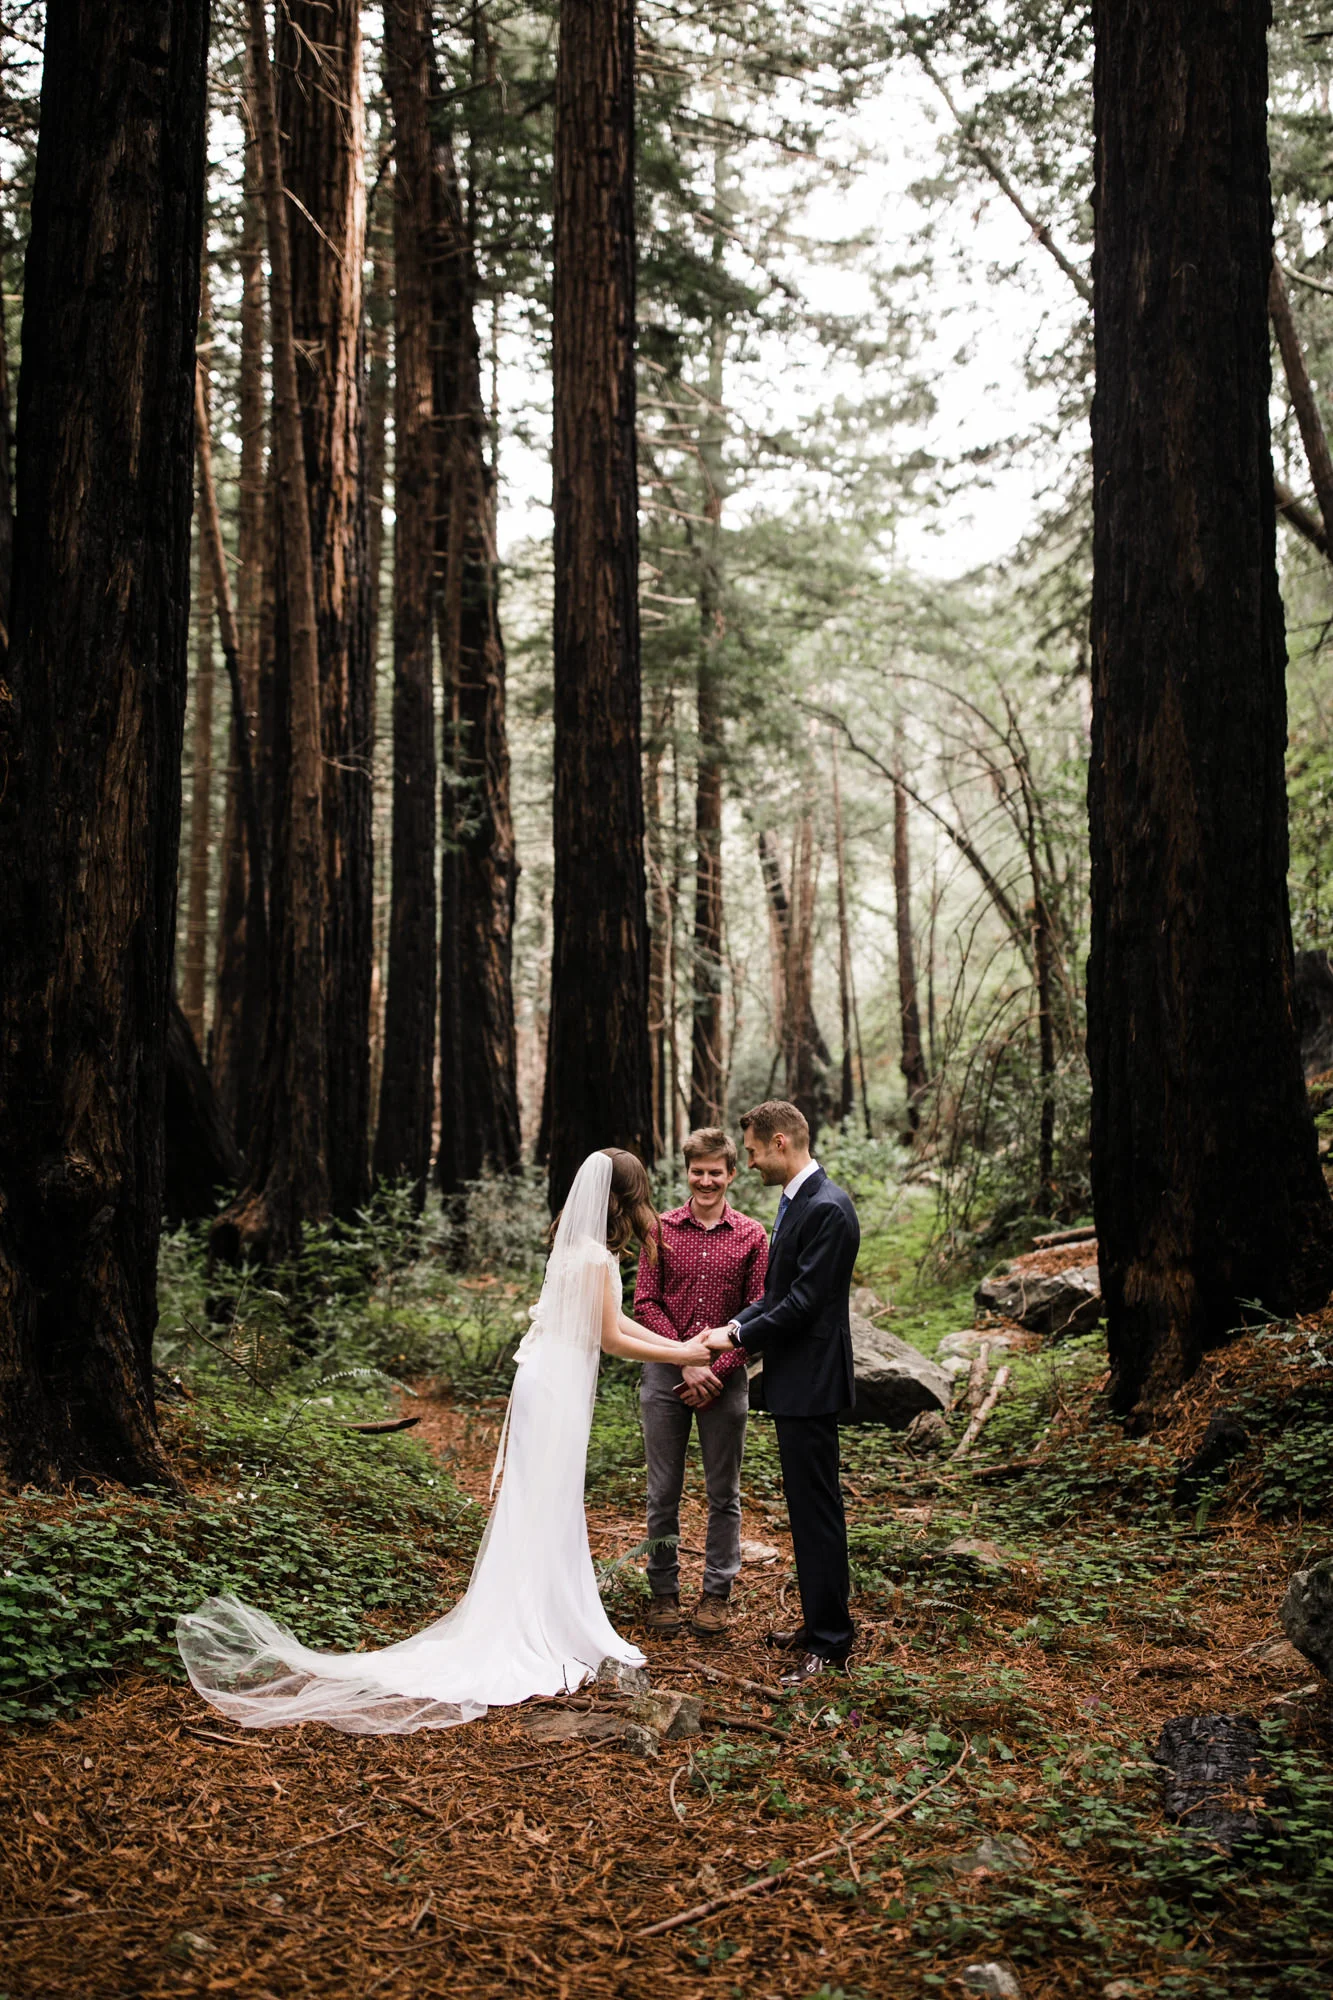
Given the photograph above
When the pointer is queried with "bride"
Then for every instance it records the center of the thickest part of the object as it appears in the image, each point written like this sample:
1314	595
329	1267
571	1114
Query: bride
531	1621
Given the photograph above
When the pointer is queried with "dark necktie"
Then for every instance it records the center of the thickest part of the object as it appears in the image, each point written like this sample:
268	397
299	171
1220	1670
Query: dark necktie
783	1206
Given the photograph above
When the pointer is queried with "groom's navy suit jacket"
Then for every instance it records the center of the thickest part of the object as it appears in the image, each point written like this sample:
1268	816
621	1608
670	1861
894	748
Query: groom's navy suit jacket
800	1326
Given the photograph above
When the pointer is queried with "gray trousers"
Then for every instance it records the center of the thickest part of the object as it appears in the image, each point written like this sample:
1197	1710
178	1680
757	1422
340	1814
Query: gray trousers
666	1433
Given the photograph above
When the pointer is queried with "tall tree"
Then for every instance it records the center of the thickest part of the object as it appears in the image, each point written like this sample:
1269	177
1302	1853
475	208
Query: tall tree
911	1058
707	1066
598	1064
91	720
322	120
287	1180
195	967
240	995
1206	1183
407	1091
479	1125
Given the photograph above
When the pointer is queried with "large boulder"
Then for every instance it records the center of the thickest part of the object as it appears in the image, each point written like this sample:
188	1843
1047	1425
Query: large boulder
1058	1304
1307	1614
894	1380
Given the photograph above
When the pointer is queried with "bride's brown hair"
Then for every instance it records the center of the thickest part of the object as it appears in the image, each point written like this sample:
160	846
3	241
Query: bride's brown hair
629	1206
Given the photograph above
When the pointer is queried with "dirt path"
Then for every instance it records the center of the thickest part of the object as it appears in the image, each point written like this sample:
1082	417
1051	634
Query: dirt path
149	1849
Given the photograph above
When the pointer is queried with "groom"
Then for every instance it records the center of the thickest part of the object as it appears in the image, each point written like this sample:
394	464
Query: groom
800	1328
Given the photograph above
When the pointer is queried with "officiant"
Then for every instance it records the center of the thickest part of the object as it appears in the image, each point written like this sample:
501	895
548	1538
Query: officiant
711	1263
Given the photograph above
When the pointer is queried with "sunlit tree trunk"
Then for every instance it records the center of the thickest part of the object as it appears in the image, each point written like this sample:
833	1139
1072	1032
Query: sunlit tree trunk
240	995
1206	1182
407	1088
598	1058
91	718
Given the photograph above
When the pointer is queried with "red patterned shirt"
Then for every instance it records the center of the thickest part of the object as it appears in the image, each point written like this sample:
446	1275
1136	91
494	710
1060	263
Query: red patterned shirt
702	1277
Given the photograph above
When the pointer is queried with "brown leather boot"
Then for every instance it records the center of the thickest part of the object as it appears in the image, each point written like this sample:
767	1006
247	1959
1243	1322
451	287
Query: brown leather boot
663	1618
711	1616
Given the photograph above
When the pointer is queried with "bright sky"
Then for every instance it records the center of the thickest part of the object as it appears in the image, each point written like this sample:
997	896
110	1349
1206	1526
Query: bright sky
981	331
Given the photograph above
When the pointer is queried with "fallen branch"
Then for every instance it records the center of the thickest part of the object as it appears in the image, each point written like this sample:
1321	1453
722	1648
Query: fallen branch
1088	1234
794	1868
738	1680
716	1719
975	1428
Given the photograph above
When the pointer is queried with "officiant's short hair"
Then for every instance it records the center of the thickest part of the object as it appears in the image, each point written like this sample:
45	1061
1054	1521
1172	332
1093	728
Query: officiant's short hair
776	1115
710	1142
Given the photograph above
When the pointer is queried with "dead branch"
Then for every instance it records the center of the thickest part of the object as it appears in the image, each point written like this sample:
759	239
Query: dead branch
979	1421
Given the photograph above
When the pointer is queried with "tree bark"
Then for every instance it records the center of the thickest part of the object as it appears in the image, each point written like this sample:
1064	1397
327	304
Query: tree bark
847	1090
1302	396
91	722
707	1066
6	489
407	1087
194	970
240	995
1206	1183
479	1122
660	938
804	1051
321	115
911	1060
288	1173
598	1058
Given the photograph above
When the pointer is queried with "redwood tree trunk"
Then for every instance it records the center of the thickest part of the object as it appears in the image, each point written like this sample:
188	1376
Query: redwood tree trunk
1206	1184
288	1171
90	730
479	1124
912	1060
407	1087
195	967
242	964
598	1058
706	1067
318	63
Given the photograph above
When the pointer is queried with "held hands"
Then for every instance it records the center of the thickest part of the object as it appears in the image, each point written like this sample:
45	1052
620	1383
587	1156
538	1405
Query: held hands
717	1340
692	1354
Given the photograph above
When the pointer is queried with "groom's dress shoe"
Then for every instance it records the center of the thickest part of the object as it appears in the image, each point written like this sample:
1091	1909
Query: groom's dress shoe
810	1668
788	1642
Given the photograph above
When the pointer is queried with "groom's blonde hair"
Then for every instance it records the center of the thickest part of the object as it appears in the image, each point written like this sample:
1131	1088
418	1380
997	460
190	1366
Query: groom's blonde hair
710	1142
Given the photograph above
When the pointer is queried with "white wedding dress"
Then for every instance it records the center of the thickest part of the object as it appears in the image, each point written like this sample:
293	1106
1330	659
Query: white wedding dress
531	1621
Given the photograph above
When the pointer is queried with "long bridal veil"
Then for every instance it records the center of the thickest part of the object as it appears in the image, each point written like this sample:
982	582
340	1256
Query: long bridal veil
531	1622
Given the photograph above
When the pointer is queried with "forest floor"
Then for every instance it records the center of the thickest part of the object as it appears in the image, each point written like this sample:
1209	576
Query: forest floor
1015	1688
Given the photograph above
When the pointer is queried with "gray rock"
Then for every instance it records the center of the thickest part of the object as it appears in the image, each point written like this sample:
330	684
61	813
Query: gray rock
968	1343
983	1556
865	1302
997	1853
893	1379
668	1714
1055	1303
927	1432
1307	1614
640	1742
624	1679
993	1978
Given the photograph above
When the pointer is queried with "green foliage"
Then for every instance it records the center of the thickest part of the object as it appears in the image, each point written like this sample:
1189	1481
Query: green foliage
340	1536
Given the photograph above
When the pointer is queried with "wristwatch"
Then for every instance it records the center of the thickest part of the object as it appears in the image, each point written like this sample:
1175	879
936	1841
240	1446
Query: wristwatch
734	1333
